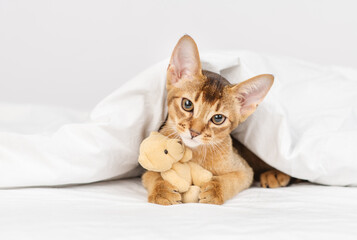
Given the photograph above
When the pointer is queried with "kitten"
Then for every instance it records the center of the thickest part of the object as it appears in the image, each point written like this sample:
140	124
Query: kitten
203	109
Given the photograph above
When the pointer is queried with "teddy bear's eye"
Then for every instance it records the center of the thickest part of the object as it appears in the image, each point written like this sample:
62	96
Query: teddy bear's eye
165	151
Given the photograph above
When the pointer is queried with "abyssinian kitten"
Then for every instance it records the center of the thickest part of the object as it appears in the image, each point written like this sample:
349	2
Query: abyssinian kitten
203	109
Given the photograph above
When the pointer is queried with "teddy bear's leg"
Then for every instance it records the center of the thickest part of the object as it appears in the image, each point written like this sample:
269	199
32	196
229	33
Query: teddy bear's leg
191	196
199	174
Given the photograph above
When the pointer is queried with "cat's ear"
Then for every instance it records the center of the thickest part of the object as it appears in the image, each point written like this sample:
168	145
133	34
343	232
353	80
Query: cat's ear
185	61
252	92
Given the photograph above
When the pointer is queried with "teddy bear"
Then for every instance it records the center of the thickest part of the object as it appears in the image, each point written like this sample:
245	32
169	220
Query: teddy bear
171	158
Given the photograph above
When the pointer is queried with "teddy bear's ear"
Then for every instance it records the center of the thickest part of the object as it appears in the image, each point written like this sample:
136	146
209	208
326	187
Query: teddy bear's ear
154	133
187	155
175	149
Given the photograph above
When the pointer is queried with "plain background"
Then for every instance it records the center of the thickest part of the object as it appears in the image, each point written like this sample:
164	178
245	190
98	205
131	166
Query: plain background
75	52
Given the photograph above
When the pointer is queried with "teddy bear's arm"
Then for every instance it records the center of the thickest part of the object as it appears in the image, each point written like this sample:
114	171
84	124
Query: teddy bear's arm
199	174
172	177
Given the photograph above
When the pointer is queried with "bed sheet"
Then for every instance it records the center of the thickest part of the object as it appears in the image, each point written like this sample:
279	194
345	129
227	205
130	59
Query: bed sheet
118	210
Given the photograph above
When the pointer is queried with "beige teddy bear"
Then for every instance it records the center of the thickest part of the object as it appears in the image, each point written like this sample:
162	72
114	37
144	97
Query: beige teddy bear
159	153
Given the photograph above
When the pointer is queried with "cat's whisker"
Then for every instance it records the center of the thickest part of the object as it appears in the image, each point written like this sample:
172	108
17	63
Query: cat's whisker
214	150
204	158
217	147
223	149
172	134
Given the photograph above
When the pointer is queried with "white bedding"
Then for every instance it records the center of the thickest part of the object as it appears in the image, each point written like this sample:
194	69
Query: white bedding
305	127
118	210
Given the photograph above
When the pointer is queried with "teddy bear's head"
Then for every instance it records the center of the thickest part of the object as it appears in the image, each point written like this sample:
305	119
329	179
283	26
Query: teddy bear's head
158	152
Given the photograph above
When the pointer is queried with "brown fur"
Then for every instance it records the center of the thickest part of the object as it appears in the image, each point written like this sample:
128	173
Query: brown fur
262	171
210	94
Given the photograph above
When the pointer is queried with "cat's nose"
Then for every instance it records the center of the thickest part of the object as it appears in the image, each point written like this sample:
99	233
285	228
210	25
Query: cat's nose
194	133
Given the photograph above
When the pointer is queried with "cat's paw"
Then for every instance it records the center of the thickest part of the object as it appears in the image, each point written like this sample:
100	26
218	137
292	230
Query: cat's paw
274	179
211	192
164	193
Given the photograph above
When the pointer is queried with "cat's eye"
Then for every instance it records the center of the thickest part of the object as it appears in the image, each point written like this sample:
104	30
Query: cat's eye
187	105
218	119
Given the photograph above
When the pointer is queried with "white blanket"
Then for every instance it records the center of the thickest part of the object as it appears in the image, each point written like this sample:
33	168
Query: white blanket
118	210
306	126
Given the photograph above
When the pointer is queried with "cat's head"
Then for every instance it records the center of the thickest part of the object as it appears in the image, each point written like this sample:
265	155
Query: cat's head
203	106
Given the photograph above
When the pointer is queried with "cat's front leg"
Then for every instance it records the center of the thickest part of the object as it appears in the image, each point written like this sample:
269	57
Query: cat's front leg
223	187
274	179
160	191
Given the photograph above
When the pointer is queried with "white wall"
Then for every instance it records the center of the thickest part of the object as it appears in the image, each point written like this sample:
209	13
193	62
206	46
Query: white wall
74	52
